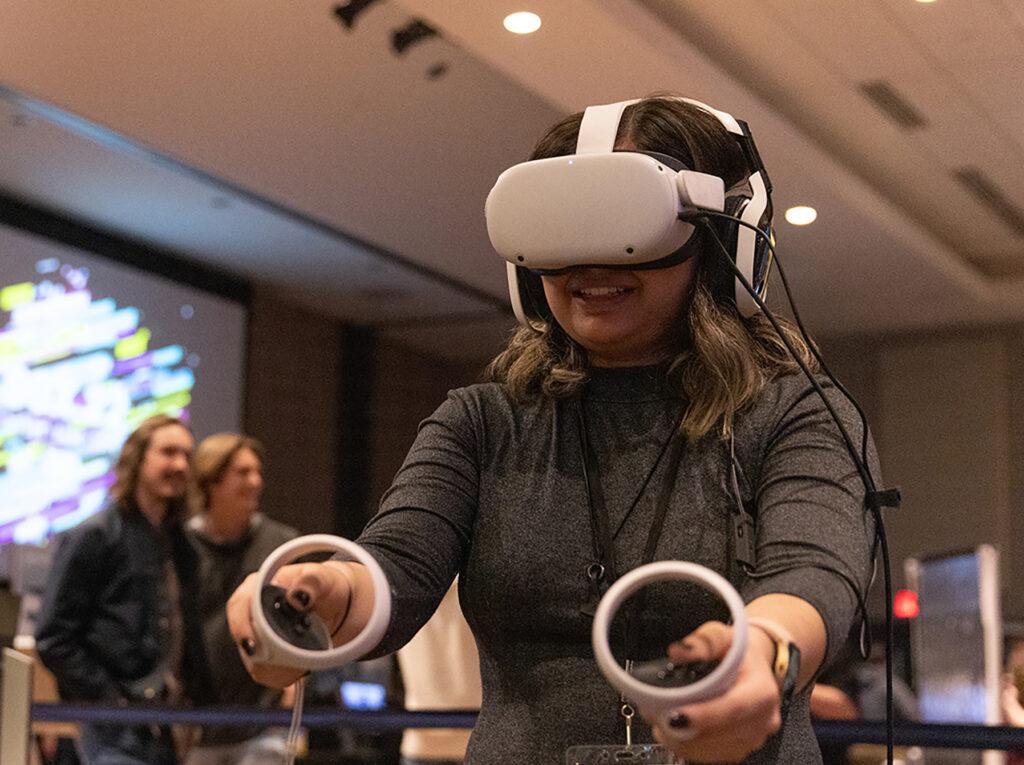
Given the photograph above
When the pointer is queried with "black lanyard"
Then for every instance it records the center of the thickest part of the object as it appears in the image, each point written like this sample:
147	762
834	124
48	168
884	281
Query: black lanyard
605	570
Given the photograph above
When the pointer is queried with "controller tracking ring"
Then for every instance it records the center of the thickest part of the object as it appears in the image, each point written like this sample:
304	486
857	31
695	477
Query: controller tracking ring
655	700
271	648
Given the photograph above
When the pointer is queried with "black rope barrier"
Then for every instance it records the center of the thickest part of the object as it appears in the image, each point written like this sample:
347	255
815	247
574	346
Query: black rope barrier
940	736
929	735
312	717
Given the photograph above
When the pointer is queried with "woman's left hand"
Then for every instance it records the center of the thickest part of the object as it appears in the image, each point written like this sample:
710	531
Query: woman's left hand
731	726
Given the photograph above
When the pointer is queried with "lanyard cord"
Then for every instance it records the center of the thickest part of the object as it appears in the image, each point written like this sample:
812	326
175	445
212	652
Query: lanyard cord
604	549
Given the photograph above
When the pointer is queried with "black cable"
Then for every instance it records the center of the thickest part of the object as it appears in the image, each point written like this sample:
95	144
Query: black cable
702	216
859	460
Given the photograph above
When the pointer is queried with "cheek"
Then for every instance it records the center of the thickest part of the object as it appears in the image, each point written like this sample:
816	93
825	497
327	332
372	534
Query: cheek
150	467
559	301
671	295
553	290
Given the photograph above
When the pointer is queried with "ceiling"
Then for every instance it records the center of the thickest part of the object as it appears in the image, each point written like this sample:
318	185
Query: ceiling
338	154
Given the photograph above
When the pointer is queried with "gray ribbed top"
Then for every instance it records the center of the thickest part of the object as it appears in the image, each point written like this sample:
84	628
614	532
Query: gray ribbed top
494	489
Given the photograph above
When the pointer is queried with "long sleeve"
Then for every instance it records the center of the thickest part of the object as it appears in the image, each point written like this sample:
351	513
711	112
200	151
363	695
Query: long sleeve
68	608
814	533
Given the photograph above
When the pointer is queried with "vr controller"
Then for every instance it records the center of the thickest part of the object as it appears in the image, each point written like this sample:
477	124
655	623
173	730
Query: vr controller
292	638
658	687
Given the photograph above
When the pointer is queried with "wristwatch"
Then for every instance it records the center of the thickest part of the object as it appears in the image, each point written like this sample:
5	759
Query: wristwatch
786	664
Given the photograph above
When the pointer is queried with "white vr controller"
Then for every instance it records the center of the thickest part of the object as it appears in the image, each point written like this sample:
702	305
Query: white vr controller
292	638
659	701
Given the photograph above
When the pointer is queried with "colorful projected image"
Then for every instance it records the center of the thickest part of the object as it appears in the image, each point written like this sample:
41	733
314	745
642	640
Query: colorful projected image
79	370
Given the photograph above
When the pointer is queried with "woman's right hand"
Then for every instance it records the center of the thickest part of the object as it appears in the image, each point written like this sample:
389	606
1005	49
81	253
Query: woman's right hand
731	726
325	588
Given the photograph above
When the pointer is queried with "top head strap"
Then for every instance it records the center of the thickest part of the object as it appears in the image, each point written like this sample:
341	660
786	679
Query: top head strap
599	127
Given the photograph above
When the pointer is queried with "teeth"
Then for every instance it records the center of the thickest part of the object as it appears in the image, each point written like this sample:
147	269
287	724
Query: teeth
600	291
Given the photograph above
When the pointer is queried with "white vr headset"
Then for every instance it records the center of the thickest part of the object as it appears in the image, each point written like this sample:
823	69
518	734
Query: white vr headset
605	208
608	209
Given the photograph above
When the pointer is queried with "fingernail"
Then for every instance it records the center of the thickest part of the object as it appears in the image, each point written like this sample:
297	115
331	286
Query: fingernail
301	597
687	645
248	645
679	721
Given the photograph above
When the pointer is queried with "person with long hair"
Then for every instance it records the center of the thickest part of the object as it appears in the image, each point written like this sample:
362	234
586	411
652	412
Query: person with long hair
119	622
634	418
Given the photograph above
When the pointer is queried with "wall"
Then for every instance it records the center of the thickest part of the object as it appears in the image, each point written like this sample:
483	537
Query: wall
945	408
291	406
409	387
337	410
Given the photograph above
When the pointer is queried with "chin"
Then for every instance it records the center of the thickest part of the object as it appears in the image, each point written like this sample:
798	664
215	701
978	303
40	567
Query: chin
174	492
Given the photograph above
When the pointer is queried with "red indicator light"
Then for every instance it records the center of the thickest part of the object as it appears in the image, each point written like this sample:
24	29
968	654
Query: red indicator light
904	604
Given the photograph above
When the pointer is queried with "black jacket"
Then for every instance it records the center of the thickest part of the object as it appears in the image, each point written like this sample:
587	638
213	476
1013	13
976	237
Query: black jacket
99	628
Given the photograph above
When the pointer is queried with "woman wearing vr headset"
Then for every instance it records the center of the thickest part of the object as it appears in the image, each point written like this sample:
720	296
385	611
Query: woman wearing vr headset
635	416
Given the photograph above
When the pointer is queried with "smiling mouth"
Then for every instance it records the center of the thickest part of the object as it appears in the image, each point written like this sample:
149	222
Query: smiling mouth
590	292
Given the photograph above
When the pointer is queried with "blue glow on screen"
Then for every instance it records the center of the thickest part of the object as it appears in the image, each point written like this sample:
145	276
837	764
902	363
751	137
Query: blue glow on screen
369	696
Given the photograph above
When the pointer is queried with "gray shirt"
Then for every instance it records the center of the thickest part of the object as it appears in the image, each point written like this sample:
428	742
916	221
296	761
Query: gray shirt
222	567
494	489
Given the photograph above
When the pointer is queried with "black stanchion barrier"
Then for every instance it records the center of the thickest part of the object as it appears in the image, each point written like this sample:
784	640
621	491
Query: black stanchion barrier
312	717
945	736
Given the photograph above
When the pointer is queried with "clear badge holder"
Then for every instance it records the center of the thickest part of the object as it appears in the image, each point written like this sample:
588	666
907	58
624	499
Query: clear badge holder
610	754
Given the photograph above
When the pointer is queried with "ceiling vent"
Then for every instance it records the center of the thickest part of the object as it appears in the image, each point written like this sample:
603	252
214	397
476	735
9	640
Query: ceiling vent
982	188
893	105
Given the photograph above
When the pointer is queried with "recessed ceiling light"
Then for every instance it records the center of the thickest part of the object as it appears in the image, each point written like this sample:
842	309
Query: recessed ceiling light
801	216
522	23
926	1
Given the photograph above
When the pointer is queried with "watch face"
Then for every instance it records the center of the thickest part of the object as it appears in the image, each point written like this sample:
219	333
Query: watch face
788	682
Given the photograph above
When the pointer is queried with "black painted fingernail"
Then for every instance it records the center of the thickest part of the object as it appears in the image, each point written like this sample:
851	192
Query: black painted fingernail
679	721
301	597
249	646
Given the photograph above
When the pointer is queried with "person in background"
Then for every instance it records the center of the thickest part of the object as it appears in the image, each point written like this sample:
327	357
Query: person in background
440	671
854	688
1012	693
232	538
119	621
532	486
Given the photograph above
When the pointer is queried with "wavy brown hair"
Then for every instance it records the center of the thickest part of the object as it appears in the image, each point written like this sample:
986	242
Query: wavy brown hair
129	464
214	454
727	359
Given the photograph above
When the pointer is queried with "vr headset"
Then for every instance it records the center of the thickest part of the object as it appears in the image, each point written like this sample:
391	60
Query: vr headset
621	209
